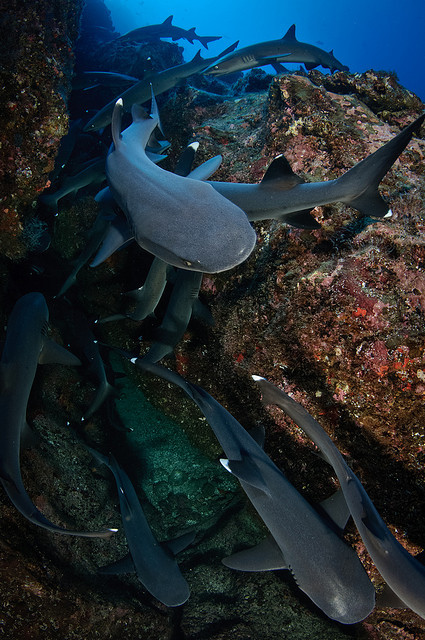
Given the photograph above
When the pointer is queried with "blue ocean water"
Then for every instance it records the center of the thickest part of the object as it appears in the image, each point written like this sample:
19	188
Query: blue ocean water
365	34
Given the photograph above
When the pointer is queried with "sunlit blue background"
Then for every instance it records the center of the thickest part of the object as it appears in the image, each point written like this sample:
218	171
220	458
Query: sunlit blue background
365	34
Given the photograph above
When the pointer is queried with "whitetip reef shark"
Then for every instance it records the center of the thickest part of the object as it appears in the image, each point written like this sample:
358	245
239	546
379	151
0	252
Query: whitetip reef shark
26	345
165	30
181	220
152	561
287	49
284	196
324	567
404	575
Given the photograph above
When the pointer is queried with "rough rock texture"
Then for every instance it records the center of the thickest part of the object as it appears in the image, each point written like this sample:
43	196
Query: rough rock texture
335	316
36	60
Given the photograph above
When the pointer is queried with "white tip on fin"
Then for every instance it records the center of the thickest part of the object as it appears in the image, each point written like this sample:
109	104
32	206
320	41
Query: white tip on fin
257	378
194	145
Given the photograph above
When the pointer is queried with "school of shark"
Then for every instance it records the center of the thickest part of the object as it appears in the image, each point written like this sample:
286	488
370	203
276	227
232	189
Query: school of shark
193	225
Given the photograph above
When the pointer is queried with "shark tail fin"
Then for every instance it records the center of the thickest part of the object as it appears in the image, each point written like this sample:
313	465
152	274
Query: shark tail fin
204	40
363	179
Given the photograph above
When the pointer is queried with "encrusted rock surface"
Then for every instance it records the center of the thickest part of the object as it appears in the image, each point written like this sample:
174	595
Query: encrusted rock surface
335	316
36	57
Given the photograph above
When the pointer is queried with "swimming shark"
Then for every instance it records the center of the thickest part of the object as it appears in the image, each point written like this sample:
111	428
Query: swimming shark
91	79
94	173
404	575
97	234
166	30
179	311
284	196
152	561
183	221
324	567
141	92
26	345
287	49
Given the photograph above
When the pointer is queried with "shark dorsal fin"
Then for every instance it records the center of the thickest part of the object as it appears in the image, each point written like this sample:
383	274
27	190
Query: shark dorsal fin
167	22
281	174
331	52
116	122
197	56
290	34
247	471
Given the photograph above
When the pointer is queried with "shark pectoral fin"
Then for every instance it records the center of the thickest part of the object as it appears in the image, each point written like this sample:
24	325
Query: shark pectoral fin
52	352
387	598
125	565
281	175
179	544
310	65
258	434
247	471
265	556
117	237
337	509
300	220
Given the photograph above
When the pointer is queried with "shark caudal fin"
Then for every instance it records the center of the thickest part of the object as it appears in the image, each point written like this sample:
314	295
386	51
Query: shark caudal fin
362	181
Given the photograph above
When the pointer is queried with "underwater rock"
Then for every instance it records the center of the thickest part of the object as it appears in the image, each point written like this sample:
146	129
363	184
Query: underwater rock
36	61
343	326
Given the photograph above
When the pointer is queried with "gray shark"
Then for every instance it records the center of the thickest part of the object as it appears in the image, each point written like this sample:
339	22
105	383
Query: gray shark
325	568
179	311
153	562
166	30
287	49
404	575
148	295
97	234
183	221
283	196
94	173
26	345
91	79
141	92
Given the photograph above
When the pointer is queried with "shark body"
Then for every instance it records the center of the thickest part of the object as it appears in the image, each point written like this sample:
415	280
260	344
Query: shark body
404	575
26	346
282	195
166	30
287	49
153	562
183	221
301	540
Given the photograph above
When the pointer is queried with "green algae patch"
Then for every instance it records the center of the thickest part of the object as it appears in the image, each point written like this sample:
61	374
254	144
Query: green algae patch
182	484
